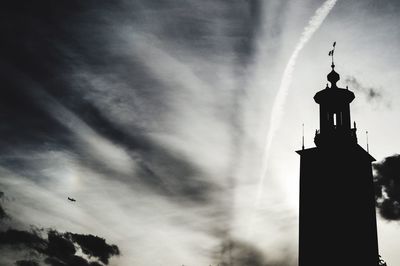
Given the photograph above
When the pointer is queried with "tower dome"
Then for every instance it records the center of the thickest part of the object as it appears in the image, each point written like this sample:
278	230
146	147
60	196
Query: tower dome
333	77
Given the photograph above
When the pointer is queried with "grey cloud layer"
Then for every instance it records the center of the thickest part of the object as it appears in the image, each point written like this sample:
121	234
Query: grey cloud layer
109	88
59	57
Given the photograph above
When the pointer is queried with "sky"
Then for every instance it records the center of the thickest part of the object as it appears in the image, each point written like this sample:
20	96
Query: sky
174	125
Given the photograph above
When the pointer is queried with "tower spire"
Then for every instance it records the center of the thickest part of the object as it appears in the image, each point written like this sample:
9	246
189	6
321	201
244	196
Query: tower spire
333	76
302	139
331	52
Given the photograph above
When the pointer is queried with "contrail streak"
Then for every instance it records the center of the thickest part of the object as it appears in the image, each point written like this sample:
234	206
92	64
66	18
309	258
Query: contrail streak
277	109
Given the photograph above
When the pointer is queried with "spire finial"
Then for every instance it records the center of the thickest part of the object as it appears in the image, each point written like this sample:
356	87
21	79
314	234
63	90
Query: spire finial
331	52
302	139
333	77
366	133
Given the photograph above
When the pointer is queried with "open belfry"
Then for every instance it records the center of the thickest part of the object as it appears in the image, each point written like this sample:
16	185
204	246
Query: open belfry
337	222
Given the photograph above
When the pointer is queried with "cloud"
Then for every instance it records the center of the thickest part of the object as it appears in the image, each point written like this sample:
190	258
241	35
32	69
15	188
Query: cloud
58	248
371	93
94	246
26	263
387	187
101	109
139	99
55	248
3	213
236	252
94	139
17	238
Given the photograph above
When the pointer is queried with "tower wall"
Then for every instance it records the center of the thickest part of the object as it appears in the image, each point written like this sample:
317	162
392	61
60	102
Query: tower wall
337	207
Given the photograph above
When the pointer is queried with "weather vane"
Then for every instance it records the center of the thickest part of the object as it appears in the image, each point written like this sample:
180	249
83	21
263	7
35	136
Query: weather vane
331	52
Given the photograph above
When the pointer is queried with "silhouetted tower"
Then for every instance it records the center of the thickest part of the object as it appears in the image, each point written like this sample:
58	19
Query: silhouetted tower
337	203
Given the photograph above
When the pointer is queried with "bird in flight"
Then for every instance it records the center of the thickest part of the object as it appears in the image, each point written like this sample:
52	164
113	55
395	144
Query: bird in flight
71	199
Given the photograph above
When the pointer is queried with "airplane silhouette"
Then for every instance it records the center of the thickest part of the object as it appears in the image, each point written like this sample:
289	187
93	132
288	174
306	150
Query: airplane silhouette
71	199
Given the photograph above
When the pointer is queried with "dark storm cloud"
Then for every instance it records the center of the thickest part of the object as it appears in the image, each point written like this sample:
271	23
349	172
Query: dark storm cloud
18	238
387	187
94	246
371	93
56	248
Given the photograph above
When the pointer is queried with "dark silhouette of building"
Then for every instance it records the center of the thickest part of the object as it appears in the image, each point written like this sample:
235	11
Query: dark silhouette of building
337	201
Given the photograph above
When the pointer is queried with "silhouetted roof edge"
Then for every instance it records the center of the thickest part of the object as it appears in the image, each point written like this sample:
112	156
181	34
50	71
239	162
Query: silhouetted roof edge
371	158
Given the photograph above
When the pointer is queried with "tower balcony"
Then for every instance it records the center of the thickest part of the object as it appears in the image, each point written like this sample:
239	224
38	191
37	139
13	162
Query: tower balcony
336	136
